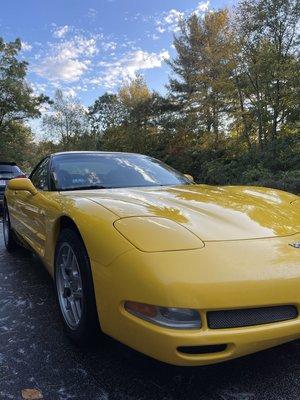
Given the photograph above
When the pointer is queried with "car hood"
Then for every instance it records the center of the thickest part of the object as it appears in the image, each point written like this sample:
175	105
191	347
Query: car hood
211	213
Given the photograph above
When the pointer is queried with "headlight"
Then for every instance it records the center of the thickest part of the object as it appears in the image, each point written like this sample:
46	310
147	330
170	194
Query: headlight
154	234
170	317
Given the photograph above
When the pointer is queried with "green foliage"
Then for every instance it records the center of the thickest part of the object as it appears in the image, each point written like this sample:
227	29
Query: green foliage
17	102
204	67
17	105
231	114
268	73
107	112
16	144
66	121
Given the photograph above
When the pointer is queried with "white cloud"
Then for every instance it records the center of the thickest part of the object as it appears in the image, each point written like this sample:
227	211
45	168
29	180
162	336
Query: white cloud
26	46
56	69
67	60
92	13
61	31
173	17
169	21
153	36
160	29
202	7
109	45
127	66
77	46
38	88
70	92
130	44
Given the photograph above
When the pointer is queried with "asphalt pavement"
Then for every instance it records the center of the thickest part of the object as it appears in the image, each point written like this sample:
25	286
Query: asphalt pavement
35	354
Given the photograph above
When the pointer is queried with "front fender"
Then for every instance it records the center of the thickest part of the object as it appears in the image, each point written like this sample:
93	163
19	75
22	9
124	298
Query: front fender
95	225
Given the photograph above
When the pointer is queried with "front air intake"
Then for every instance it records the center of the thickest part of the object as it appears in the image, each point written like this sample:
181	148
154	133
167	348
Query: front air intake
250	316
208	349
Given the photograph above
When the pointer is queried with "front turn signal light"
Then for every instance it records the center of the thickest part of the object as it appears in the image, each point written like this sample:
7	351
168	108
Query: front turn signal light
169	317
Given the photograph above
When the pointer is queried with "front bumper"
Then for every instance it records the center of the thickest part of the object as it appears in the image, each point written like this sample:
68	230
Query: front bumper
164	344
222	276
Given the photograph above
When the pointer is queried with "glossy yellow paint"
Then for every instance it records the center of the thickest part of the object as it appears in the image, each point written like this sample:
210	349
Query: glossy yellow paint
22	184
194	246
142	233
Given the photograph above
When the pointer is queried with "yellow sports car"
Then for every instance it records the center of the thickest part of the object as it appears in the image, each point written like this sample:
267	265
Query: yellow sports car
188	274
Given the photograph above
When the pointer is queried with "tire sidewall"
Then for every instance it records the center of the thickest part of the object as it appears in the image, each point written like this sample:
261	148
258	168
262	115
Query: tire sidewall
88	326
10	241
5	216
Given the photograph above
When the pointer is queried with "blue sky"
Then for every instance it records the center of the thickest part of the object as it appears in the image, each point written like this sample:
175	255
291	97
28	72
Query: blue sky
87	47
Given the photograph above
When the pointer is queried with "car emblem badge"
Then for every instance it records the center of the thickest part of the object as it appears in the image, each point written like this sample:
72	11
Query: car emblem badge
296	245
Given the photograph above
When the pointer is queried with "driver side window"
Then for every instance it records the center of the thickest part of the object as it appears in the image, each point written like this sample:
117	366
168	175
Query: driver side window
40	176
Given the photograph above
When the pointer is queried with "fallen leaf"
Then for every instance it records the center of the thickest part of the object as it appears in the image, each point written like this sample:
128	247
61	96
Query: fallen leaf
31	394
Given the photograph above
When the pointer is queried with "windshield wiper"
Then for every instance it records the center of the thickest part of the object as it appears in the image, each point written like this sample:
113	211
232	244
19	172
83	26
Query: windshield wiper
85	188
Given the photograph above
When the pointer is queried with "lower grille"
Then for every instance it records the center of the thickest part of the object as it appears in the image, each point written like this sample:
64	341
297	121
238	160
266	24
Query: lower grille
213	348
250	316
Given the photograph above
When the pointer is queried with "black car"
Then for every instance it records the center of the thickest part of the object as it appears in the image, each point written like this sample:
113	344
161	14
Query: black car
8	170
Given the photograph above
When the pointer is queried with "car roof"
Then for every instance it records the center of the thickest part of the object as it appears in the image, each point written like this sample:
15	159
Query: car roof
8	163
92	152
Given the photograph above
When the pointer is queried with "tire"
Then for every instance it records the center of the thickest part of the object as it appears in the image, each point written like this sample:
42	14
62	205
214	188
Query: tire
81	326
10	240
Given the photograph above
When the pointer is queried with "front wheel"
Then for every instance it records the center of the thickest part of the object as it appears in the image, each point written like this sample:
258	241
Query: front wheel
74	288
10	241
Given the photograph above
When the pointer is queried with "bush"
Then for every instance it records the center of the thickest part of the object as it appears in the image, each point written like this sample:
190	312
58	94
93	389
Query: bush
226	171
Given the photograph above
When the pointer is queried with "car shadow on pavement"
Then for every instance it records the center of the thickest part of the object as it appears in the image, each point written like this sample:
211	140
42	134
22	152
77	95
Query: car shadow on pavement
34	352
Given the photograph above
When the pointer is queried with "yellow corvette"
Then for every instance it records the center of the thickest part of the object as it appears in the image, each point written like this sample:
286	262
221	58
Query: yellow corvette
188	274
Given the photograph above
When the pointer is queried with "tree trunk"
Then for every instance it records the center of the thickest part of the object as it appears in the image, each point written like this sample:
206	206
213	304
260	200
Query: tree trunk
244	119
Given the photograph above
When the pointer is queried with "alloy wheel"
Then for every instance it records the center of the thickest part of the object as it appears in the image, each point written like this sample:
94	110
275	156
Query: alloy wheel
69	286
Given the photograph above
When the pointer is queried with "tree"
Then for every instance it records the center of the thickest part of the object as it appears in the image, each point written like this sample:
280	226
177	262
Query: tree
125	121
17	144
203	68
236	79
17	102
106	115
66	121
137	101
230	115
268	73
106	112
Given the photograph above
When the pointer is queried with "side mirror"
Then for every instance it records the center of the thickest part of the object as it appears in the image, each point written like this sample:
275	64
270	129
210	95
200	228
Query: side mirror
190	177
24	184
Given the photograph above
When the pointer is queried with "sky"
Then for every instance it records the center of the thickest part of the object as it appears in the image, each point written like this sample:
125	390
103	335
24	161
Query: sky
88	47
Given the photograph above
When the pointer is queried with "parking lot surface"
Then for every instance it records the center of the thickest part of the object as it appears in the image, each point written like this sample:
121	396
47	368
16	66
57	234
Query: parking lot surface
34	353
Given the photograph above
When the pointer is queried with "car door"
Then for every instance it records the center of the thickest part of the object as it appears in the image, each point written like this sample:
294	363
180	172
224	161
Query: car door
32	209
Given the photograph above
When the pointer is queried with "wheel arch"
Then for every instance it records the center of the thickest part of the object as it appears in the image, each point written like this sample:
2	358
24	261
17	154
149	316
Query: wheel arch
65	222
62	222
95	227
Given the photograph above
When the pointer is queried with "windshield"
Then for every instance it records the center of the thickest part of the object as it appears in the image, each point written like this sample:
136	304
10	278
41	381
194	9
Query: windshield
89	171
